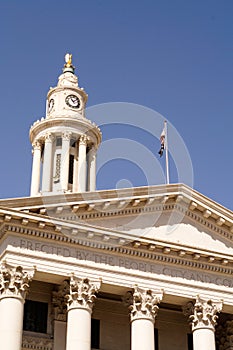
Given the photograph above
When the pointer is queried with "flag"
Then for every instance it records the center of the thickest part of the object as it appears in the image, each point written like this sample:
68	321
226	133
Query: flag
162	142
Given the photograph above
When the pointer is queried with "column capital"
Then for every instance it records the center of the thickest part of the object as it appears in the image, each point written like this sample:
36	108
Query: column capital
82	293
59	298
144	304
48	137
66	135
37	145
14	281
83	139
203	314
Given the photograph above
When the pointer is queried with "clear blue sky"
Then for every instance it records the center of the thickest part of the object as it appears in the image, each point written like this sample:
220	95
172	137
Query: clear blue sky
173	56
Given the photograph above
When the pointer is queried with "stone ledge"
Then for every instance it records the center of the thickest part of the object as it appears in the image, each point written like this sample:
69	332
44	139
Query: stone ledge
36	343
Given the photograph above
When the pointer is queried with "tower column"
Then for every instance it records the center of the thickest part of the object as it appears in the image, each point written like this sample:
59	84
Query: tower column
47	165
14	283
35	181
144	310
92	169
82	164
79	306
65	157
203	316
75	172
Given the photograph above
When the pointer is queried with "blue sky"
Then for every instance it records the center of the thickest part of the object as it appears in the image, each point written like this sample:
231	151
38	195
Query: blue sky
174	57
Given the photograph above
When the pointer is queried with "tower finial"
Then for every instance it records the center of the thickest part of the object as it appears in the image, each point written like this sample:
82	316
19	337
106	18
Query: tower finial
68	66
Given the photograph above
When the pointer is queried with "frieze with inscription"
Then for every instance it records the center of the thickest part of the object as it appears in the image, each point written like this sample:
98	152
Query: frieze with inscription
128	263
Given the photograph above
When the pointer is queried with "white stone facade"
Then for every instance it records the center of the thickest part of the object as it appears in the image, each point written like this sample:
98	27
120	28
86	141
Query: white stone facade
141	269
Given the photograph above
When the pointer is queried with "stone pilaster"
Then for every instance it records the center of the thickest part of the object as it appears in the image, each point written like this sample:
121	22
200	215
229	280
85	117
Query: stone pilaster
144	309
14	284
79	304
59	302
203	317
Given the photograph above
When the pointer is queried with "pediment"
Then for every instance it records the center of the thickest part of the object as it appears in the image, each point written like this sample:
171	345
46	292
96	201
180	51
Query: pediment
188	235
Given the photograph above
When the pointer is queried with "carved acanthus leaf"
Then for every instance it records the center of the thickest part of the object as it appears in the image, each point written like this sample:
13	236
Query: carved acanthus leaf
144	304
82	293
205	313
14	280
59	301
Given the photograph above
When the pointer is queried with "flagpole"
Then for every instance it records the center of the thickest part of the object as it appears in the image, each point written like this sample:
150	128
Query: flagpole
166	153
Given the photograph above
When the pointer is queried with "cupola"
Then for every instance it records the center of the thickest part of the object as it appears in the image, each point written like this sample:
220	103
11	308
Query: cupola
65	142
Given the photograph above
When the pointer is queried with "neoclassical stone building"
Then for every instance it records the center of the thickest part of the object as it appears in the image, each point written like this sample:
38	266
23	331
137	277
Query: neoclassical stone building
144	268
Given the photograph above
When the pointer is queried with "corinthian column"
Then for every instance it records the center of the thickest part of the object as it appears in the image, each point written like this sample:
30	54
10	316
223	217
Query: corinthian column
79	305
203	321
144	310
47	166
35	180
14	284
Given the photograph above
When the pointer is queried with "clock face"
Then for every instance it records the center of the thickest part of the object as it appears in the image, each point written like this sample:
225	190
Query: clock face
51	104
73	101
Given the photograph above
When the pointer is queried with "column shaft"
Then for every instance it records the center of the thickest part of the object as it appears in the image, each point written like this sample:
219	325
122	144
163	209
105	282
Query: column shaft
82	164
203	339
35	181
11	323
47	164
92	169
65	157
78	329
142	334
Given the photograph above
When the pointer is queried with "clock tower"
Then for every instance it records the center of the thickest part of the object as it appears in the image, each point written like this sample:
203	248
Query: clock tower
65	141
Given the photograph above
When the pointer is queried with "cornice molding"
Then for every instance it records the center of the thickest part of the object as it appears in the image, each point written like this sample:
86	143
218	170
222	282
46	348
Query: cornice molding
45	124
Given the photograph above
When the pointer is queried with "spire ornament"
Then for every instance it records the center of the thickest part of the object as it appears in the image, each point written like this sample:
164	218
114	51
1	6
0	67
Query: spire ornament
68	66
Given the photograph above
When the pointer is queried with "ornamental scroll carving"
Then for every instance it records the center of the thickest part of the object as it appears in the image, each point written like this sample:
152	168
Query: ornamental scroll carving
36	145
144	304
82	293
59	301
66	135
14	281
49	137
83	140
204	314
